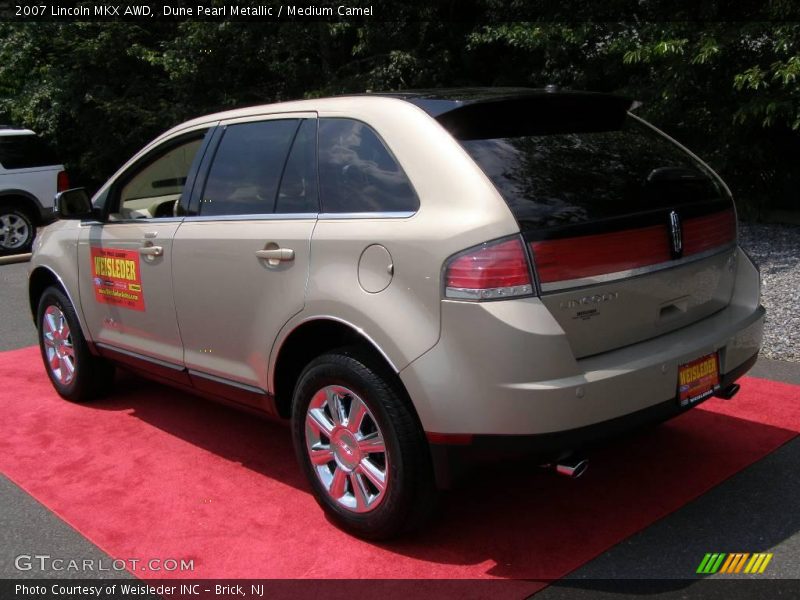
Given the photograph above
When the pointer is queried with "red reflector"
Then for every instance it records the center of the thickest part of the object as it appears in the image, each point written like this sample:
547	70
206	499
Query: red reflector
496	266
453	439
62	181
708	232
590	255
585	256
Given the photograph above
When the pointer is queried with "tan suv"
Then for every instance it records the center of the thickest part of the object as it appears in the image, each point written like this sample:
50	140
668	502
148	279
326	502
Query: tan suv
413	279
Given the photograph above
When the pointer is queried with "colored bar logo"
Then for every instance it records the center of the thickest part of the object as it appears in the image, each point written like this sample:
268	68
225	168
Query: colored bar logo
737	562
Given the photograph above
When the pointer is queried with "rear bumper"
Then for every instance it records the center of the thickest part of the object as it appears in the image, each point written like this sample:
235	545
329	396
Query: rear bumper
450	460
479	386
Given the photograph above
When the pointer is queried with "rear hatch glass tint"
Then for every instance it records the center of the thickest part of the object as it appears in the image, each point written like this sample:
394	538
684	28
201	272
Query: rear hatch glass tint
568	179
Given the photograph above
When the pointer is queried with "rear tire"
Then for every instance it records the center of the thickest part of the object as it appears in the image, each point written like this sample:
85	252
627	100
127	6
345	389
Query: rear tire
17	229
371	469
75	373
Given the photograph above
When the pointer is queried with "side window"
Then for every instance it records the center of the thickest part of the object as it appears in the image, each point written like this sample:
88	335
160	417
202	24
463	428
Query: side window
247	167
357	173
154	189
298	191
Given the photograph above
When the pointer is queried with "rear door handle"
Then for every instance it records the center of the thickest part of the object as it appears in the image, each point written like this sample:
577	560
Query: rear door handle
276	255
151	250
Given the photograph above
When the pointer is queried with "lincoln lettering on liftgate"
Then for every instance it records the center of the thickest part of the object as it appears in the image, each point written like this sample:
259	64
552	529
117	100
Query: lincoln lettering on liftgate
116	277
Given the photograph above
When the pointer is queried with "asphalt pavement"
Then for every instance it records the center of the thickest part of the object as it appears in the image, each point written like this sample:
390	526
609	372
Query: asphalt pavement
17	329
758	508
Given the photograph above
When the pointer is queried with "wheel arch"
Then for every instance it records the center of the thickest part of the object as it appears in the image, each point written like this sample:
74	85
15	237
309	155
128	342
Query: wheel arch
310	339
39	280
24	200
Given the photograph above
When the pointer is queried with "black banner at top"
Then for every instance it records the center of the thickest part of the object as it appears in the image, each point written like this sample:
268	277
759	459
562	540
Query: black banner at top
488	11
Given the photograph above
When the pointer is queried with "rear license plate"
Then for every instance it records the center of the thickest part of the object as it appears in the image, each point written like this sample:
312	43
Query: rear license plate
698	379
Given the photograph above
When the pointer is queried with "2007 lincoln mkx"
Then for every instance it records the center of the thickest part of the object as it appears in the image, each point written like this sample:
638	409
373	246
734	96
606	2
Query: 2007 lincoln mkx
411	279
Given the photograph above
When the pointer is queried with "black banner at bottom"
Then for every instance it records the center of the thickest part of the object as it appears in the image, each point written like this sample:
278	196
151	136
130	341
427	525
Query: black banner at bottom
389	589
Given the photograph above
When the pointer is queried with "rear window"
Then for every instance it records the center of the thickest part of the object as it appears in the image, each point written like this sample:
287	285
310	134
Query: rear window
565	179
24	152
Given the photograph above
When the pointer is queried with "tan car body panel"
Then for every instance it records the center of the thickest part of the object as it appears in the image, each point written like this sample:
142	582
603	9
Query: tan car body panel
219	268
55	250
613	314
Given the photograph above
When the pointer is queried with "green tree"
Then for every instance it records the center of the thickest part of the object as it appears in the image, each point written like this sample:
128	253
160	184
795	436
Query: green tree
729	91
100	91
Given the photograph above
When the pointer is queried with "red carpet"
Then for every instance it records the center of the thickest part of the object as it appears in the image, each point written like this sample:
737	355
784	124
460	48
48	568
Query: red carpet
152	473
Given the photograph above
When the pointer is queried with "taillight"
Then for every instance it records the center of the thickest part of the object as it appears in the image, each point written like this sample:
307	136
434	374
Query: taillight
490	271
62	181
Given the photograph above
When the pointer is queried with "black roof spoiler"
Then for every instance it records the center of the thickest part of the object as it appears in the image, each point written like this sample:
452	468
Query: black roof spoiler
485	113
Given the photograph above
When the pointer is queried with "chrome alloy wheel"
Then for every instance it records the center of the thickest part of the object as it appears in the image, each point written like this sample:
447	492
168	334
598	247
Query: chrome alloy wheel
14	231
346	448
58	345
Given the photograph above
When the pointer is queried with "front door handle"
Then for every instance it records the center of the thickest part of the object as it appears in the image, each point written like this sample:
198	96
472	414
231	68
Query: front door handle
276	255
151	250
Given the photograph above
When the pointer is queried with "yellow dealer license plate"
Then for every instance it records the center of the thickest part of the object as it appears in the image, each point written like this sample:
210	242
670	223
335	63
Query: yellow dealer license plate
698	379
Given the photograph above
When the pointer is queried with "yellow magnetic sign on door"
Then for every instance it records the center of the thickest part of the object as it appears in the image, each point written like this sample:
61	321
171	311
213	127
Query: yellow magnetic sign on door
116	278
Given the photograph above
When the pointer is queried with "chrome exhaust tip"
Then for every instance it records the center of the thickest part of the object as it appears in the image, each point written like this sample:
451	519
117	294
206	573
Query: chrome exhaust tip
729	392
572	467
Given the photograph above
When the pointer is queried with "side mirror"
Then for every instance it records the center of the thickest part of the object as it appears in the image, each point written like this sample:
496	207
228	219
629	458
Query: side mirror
73	204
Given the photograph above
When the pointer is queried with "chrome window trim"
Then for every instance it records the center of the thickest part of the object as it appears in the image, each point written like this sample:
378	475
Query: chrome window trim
569	284
270	116
264	217
252	217
153	220
405	214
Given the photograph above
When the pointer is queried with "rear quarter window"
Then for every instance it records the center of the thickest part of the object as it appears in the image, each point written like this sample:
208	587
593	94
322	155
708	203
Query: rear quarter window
357	173
25	152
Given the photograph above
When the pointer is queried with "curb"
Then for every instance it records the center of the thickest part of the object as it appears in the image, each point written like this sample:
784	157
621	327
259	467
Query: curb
15	258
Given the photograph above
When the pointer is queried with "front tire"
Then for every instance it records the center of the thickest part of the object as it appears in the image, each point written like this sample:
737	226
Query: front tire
75	373
361	446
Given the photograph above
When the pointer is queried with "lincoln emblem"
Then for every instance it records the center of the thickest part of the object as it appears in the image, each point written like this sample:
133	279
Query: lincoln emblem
675	234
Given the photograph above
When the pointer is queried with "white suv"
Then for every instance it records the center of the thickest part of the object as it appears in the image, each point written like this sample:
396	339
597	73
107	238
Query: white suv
30	176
